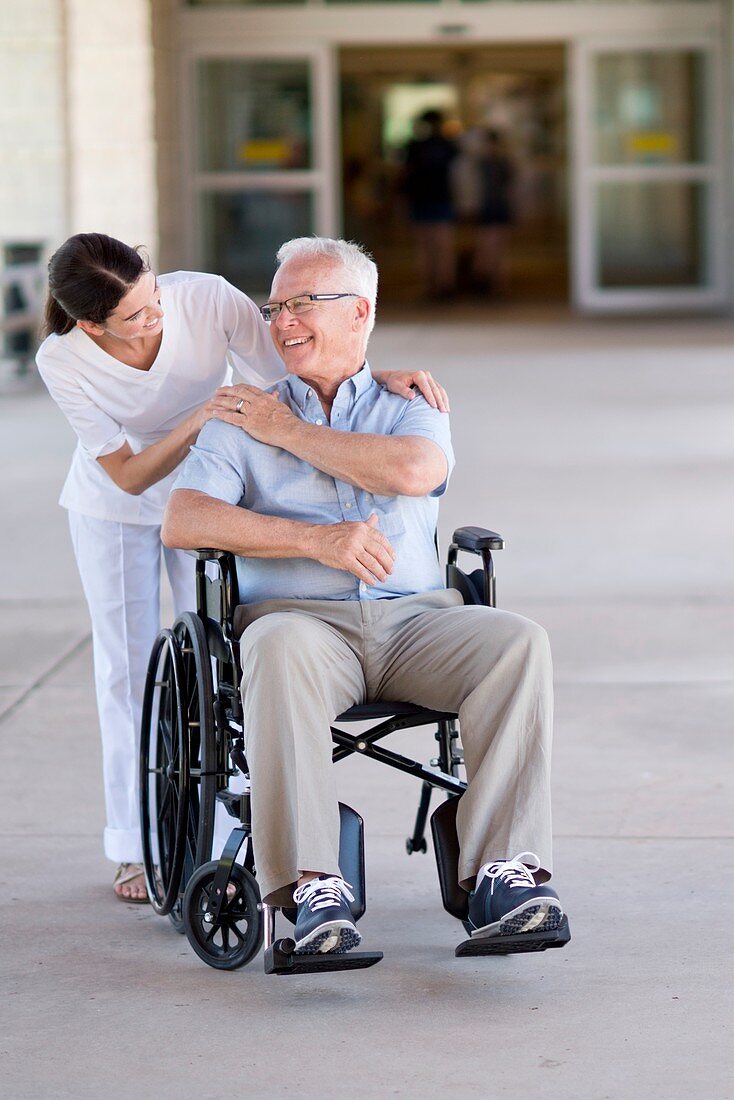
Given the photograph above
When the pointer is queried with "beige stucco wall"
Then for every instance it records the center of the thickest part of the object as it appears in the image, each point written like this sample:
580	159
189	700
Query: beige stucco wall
32	121
77	147
111	119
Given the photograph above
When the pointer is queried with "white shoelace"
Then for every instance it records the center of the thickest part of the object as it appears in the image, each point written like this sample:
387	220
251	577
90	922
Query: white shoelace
517	871
323	893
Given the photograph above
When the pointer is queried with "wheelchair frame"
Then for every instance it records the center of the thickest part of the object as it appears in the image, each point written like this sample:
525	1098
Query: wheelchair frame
194	723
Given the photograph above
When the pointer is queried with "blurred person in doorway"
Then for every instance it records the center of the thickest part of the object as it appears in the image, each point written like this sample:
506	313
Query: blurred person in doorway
138	365
428	160
491	267
466	189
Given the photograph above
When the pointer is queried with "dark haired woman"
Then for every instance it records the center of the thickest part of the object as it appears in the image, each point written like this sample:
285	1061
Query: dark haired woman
134	362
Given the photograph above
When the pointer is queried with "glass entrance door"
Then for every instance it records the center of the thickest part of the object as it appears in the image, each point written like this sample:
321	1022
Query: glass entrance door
649	176
262	151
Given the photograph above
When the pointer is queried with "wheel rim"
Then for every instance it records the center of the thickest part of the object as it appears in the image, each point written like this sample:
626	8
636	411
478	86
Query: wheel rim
164	774
236	937
198	693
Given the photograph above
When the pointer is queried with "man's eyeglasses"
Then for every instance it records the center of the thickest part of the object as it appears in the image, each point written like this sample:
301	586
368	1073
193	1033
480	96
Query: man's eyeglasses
300	303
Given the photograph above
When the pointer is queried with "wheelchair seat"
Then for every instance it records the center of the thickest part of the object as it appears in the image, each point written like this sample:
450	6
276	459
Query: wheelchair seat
365	712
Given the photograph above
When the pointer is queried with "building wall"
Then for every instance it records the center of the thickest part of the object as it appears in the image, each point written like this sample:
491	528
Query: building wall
111	120
91	120
32	122
77	145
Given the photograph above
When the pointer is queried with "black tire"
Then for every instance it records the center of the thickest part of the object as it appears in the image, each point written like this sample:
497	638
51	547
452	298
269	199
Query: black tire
198	691
236	937
164	774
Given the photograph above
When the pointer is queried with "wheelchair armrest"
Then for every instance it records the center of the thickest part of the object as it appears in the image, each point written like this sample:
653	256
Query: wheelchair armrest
476	539
479	586
206	554
216	596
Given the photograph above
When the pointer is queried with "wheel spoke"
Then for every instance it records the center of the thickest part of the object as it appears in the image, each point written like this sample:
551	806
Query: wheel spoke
236	932
166	737
163	804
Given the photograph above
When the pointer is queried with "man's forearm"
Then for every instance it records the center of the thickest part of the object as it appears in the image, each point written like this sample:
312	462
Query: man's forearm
194	520
386	465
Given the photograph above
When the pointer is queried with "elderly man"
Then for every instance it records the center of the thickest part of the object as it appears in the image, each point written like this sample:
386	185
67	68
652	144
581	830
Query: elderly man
327	491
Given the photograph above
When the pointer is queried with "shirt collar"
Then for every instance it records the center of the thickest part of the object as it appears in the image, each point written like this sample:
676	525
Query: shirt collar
352	388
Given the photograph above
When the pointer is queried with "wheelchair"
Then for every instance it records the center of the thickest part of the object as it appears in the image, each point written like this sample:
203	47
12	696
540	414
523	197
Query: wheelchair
192	756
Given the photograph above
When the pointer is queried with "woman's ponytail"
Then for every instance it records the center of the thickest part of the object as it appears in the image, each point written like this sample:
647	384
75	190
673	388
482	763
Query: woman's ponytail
56	319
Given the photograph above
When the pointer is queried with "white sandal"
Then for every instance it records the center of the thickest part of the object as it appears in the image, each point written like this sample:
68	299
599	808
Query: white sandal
126	872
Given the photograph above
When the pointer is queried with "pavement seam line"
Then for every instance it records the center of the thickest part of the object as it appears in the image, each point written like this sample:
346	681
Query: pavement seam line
41	680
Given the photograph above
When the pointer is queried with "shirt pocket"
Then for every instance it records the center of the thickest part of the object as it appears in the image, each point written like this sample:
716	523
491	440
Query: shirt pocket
296	483
390	518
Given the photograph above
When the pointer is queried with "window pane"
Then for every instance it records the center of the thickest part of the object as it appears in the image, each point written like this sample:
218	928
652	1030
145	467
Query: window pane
650	107
242	232
253	116
652	234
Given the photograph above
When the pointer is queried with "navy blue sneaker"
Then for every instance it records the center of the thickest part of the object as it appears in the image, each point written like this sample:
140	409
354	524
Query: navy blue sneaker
324	921
506	900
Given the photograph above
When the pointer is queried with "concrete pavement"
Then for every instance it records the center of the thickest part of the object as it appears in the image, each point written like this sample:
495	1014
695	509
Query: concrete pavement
604	453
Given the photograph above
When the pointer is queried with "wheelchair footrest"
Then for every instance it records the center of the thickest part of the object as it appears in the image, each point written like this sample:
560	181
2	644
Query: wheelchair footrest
280	959
517	944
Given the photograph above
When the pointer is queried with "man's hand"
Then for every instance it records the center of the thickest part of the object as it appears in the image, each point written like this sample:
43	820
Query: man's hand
259	414
359	548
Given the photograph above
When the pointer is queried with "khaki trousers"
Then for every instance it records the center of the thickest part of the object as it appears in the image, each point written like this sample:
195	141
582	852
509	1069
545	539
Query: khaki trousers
306	661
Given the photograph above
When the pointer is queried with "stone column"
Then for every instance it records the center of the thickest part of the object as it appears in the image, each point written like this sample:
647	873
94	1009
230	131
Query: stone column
111	120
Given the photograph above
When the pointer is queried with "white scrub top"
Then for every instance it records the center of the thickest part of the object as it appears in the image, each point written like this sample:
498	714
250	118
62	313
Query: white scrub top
208	327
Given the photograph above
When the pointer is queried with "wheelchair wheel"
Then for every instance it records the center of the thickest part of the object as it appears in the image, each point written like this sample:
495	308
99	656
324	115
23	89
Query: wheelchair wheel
198	693
164	774
236	937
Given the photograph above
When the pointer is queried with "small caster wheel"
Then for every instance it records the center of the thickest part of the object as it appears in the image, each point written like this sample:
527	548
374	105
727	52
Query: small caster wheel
421	846
236	937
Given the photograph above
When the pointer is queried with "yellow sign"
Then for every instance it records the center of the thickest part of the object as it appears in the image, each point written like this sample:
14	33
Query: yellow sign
648	143
264	151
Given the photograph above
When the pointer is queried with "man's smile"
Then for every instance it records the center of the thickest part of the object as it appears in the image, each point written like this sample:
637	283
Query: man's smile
294	340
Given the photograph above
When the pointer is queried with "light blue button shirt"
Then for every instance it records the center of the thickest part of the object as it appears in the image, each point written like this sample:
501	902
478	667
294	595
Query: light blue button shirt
226	463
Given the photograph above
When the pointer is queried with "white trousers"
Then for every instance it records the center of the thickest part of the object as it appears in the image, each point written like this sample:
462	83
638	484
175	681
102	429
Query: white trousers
120	569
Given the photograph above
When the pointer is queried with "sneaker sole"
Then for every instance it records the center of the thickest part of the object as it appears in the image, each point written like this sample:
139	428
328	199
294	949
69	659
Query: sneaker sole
333	939
539	915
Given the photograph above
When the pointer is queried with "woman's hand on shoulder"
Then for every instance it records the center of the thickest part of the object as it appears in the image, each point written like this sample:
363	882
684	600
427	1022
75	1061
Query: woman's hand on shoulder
262	415
402	382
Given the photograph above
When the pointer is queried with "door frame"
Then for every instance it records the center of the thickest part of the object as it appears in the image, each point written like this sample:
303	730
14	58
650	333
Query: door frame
320	180
586	175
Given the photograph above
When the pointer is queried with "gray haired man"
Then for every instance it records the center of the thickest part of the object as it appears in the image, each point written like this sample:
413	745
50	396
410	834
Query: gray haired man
327	490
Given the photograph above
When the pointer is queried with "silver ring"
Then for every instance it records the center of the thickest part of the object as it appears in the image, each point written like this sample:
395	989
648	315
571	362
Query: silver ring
238	406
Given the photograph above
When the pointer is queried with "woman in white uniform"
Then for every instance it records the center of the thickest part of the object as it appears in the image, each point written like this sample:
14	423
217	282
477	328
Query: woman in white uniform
134	362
